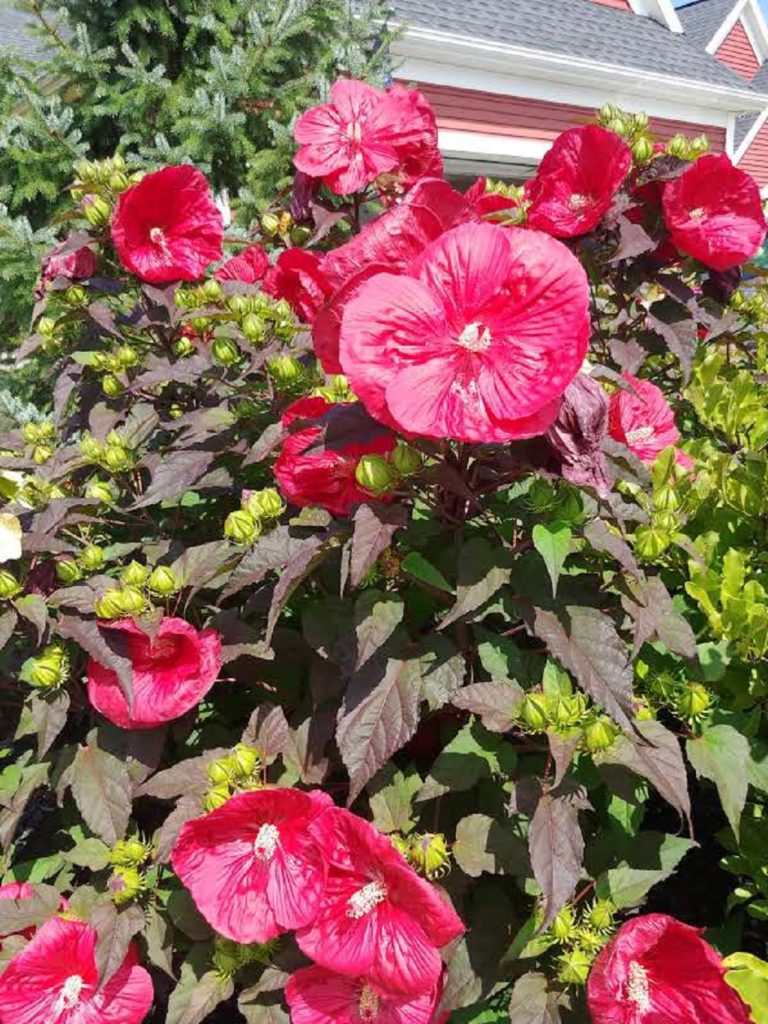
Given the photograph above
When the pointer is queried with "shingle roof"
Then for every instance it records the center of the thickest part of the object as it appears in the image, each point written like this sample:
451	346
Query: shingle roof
15	33
742	128
702	18
579	28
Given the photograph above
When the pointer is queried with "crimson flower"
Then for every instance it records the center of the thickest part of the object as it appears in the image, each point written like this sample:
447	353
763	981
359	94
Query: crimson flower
252	865
640	418
484	203
714	213
377	919
324	477
576	181
477	341
657	970
55	979
249	266
388	243
317	996
298	278
74	265
168	227
417	151
359	135
172	672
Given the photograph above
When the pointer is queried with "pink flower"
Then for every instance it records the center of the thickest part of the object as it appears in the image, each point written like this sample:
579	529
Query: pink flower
317	996
714	213
249	266
168	227
253	867
577	180
388	243
324	477
417	152
54	980
657	970
377	918
171	673
477	341
356	137
640	418
298	278
74	265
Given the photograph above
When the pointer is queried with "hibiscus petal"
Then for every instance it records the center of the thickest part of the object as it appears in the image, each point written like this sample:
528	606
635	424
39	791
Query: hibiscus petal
406	960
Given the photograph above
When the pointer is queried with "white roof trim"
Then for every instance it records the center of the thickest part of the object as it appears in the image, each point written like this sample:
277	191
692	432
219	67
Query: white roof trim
503	148
749	138
659	10
726	25
468	51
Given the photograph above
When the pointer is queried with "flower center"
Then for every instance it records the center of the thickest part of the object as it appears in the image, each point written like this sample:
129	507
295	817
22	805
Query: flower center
266	841
69	996
474	338
355	132
640	434
368	1006
578	201
364	900
637	987
698	213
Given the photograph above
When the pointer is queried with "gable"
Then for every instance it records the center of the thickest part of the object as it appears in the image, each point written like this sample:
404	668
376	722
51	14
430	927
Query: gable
736	51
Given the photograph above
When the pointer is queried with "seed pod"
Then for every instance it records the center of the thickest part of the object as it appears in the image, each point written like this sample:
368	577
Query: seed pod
241	527
375	474
163	581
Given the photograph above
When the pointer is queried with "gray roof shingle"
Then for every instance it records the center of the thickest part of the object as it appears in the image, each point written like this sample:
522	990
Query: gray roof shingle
742	128
579	28
16	34
702	18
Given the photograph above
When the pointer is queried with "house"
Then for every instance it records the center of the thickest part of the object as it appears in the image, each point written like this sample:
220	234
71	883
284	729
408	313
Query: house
506	76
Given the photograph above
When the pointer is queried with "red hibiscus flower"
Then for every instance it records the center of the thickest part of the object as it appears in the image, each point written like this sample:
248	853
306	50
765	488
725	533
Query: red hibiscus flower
477	342
171	673
388	243
74	265
641	419
577	180
323	477
657	970
167	227
377	918
55	979
249	266
417	151
713	212
298	278
252	866
485	203
317	996
356	137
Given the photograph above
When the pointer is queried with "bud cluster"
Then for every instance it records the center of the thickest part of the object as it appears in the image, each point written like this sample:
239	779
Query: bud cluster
279	224
258	510
380	474
240	771
581	935
427	853
112	455
138	584
39	438
230	956
633	128
48	670
97	184
554	501
128	881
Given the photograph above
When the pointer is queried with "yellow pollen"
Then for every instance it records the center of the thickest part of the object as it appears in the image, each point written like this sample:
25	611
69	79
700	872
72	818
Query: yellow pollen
368	1006
637	987
364	900
578	201
640	434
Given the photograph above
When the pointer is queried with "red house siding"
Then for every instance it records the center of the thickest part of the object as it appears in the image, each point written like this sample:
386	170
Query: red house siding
622	5
736	51
495	114
755	160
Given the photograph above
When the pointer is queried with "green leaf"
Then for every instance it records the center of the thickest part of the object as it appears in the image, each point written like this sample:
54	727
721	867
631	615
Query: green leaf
532	1002
417	566
482	570
553	542
485	845
657	855
90	853
391	796
101	787
472	754
197	994
749	976
721	754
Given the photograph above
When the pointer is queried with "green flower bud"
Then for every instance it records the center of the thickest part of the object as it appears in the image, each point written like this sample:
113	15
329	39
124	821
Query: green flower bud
201	324
163	581
534	712
286	222
109	605
564	926
574	967
183	347
49	669
175	411
400	843
222	771
245	760
265	504
134	574
212	291
241	527
127	356
667	522
129	853
617	125
111	386
666	499
405	459
694	702
599	735
117	460
375	474
640	120
41	454
642	149
118	162
226	956
30	433
429	855
100	490
9	585
46	326
118	181
225	351
131	600
92	557
643	713
300	234
258	952
125	885
68	571
76	295
699	145
253	327
270	224
590	941
216	797
567	711
97	211
91	449
607	112
601	915
238	304
678	146
650	543
285	371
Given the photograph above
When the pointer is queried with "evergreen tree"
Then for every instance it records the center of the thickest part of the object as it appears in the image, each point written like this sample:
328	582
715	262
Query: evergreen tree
213	82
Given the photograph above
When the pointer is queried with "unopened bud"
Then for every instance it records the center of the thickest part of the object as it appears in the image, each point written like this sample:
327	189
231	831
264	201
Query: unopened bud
601	915
600	735
678	146
541	496
650	543
642	149
49	669
212	291
118	181
97	211
163	581
183	347
117	460
41	453
129	853
264	504
237	304
564	925
253	327
225	352
76	295
375	474
127	356
216	797
574	967
245	760
46	326
429	854
68	571
134	574
91	449
221	771
241	527
92	557
226	956
405	459
109	605
694	702
300	234
270	224
111	386
534	712
131	600
285	371
9	585
100	490
125	885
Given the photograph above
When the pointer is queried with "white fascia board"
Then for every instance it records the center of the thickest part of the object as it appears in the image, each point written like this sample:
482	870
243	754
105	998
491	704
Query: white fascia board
749	138
465	52
730	134
659	10
726	25
753	20
482	145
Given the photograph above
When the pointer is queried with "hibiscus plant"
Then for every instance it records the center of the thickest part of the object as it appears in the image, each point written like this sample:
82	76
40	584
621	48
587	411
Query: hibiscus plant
383	617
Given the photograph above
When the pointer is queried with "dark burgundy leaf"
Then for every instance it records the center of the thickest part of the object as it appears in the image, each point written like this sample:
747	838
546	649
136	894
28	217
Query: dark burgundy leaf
633	241
577	435
105	318
494	702
654	614
266	444
173	474
485	845
294	573
272	551
533	1003
268	731
114	932
375	526
18	915
482	570
556	848
562	747
344	424
105	646
33	608
7	625
49	715
101	788
680	335
603	539
189	776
